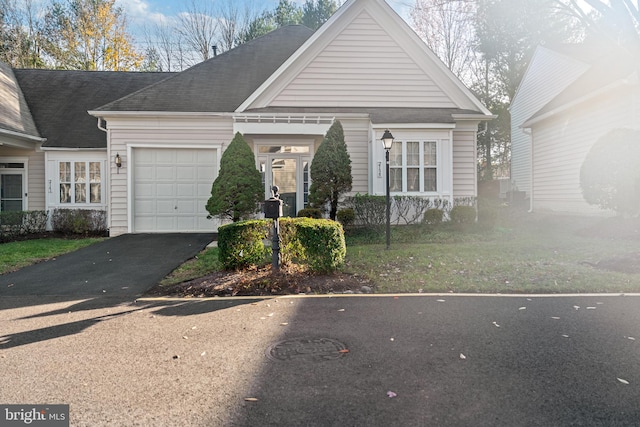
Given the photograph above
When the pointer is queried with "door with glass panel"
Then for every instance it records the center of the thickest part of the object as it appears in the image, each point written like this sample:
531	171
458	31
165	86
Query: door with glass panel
286	167
11	191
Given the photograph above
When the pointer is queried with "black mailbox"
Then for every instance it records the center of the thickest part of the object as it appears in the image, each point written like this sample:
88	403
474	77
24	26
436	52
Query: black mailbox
273	208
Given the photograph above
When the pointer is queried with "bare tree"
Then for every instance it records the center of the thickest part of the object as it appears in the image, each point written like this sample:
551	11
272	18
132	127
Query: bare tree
198	28
447	27
617	21
234	19
164	40
20	34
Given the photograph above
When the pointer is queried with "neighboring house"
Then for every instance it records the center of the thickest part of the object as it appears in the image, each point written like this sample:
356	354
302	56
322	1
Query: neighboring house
364	67
570	96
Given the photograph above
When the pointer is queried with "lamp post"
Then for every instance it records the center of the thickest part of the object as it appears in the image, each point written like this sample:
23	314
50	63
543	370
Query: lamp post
387	142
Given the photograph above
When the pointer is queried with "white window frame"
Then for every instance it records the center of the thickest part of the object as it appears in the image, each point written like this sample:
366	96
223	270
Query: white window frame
87	182
404	166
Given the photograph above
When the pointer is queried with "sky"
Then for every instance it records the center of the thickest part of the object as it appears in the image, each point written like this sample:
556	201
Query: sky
149	12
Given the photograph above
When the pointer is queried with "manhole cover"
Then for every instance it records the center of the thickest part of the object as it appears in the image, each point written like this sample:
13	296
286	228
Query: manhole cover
307	349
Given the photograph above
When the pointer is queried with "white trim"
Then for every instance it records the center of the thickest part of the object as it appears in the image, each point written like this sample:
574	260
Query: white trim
72	149
22	135
603	90
425	126
24	171
158	114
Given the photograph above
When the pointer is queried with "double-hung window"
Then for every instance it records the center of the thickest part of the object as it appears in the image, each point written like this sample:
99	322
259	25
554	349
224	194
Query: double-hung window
413	167
80	182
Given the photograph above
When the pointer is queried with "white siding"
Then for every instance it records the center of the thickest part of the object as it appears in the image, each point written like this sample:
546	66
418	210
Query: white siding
464	164
363	66
35	176
356	136
562	143
126	134
548	74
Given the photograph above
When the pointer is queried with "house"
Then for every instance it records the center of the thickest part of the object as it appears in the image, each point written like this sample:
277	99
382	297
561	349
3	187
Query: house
153	149
569	97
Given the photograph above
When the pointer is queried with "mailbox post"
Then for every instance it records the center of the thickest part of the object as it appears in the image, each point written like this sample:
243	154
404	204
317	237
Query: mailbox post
273	210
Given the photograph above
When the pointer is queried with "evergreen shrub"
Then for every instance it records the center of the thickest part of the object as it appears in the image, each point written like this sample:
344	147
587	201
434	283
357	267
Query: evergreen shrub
318	243
310	213
241	244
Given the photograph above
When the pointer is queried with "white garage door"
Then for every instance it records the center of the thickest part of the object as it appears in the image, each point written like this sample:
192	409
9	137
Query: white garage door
171	189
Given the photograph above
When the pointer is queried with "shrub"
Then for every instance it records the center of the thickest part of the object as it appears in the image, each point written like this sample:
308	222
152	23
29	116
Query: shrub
433	216
241	244
310	213
318	243
369	211
238	189
346	216
463	215
79	221
609	176
21	223
487	213
330	170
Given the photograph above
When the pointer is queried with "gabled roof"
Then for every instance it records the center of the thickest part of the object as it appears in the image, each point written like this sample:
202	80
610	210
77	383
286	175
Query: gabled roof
219	84
607	69
59	101
359	18
15	116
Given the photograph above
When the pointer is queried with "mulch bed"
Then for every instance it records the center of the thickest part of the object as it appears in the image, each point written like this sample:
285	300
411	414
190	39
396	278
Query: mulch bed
262	282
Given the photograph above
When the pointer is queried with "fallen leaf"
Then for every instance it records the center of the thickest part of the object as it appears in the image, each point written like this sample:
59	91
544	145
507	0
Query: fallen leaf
250	399
440	300
462	356
577	307
185	337
344	350
566	336
283	324
392	339
591	308
631	338
203	353
391	394
522	308
496	324
555	318
623	381
270	314
342	309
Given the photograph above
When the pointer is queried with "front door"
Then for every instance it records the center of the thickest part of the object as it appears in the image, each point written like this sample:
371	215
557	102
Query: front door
290	172
11	191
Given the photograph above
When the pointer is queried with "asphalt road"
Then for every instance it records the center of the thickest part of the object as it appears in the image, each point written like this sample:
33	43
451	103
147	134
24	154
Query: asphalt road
422	360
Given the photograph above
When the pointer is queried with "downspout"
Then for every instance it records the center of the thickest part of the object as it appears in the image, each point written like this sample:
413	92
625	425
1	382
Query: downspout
529	131
108	170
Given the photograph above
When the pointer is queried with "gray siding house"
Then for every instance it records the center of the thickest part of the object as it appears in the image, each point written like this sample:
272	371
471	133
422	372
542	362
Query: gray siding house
63	130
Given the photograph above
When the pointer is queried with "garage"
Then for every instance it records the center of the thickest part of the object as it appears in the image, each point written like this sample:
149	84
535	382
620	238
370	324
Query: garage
171	187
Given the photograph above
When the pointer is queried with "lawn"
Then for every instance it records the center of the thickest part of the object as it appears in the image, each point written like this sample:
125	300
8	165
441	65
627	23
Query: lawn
522	253
15	255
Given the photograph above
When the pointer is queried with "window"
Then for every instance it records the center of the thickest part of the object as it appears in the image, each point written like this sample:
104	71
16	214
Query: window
413	167
80	182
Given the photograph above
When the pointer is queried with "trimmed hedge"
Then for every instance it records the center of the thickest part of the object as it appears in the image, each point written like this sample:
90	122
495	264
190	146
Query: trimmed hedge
463	214
79	221
241	244
318	243
21	223
433	216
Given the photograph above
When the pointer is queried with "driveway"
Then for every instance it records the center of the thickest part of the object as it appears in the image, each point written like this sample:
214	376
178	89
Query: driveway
409	360
122	266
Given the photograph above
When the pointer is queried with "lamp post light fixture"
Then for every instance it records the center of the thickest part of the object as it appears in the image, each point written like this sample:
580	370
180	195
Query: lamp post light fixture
387	142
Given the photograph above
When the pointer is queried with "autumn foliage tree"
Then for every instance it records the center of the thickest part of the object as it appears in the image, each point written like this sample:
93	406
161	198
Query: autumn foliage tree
330	170
238	189
89	35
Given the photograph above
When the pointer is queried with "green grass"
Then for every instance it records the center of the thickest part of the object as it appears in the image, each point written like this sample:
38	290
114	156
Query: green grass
522	254
204	263
15	255
547	255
